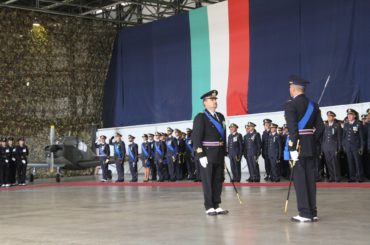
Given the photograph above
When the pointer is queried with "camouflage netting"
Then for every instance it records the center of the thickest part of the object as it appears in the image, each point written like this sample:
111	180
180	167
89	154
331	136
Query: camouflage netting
52	73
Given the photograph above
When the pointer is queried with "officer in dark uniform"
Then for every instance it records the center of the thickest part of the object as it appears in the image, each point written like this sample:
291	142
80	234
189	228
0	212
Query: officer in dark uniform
145	157
7	155
235	152
189	155
159	154
265	136
274	152
21	159
165	172
3	165
12	161
179	164
285	164
331	146
209	139
353	146
133	157
305	124
104	153
119	150
367	139
153	167
171	154
251	151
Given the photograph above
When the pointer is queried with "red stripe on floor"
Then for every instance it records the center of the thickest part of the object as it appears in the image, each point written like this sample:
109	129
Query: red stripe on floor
181	184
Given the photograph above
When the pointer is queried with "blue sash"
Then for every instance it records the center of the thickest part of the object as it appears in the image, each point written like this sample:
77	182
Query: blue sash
118	152
131	154
158	149
218	125
169	146
101	151
144	151
190	147
301	124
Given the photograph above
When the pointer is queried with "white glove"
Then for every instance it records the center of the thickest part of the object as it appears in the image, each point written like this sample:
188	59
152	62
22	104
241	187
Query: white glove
24	161
107	161
203	161
13	159
294	155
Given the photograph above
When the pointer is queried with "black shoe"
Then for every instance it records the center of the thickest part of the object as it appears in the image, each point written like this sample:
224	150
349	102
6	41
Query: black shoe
117	181
351	181
267	178
257	180
249	180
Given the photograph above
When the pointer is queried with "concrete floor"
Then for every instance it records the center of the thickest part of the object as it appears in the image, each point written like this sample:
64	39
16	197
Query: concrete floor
175	215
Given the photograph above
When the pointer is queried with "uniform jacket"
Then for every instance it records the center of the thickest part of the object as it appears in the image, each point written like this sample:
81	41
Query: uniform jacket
204	130
235	145
21	154
103	147
265	143
147	147
274	146
161	145
172	141
294	111
121	148
332	137
252	144
134	149
353	136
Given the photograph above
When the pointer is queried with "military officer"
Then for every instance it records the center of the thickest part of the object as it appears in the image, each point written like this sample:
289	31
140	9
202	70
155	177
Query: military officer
133	155
235	152
171	154
285	164
21	158
179	164
265	136
189	155
104	153
4	170
305	126
251	151
145	157
159	155
12	161
119	155
331	146
209	139
274	152
153	167
353	146
367	140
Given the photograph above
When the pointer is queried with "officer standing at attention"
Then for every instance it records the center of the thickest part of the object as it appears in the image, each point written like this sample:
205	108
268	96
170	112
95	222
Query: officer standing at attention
119	155
104	153
159	151
305	125
132	157
21	158
331	146
209	139
153	167
189	154
353	146
3	166
235	152
265	143
274	152
12	161
251	151
367	138
145	157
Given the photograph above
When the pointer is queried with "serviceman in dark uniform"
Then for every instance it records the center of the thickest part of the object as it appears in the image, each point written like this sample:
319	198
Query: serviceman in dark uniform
305	125
209	139
159	153
7	155
153	167
365	156
353	146
165	172
21	159
119	150
265	136
235	152
251	151
331	146
179	164
133	155
285	164
367	138
145	157
12	161
189	155
274	152
3	165
171	154
104	153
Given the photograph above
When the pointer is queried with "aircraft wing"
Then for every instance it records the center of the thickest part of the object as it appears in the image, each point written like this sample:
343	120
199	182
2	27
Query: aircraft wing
42	165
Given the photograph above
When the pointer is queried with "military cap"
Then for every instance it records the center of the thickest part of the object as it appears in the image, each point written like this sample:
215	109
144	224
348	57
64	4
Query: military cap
145	136
21	139
363	116
169	129
233	125
352	111
280	128
118	134
274	125
164	134
10	139
2	139
209	95
177	130
103	136
130	136
188	130
267	121
368	111
150	135
250	124
285	126
296	80
330	113
157	133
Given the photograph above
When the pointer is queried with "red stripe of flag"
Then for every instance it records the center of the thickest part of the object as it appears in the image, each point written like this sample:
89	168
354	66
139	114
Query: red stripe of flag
237	91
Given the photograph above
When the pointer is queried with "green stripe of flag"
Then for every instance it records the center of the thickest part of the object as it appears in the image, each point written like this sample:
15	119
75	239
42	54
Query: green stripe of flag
200	57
